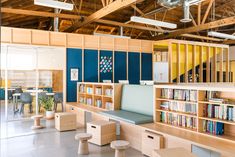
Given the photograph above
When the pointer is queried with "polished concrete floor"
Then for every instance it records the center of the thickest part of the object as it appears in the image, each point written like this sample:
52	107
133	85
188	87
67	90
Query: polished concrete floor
18	140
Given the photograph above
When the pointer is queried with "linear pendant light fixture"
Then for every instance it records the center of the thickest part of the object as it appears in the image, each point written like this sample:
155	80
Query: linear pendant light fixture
221	35
54	4
153	22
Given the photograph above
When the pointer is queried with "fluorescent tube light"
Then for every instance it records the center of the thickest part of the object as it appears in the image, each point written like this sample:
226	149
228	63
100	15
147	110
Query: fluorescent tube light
221	35
113	36
153	22
54	4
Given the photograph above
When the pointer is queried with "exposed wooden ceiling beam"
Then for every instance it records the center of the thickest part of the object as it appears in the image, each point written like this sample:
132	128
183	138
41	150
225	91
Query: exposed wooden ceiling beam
207	11
199	14
68	16
200	37
112	7
39	13
210	25
229	42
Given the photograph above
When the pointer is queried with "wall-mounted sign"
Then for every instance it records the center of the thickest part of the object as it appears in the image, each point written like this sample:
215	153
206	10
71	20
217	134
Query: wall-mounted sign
74	74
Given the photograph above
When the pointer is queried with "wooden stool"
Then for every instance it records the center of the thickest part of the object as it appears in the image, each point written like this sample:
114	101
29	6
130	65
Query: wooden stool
83	144
172	152
36	119
120	146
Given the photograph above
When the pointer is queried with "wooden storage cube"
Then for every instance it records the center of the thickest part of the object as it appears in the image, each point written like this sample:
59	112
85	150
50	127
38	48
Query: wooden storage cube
151	141
103	132
65	121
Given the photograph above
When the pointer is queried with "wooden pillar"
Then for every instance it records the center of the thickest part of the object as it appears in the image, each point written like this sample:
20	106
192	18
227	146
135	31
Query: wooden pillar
186	64
201	64
208	65
215	64
221	65
170	71
194	63
178	63
227	65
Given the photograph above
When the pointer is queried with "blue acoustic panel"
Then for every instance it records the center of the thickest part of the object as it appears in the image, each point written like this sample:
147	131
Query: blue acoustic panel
119	66
90	65
74	60
146	66
106	65
134	67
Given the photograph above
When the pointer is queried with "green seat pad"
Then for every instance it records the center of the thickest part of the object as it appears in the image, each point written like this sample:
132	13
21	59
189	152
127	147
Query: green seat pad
130	117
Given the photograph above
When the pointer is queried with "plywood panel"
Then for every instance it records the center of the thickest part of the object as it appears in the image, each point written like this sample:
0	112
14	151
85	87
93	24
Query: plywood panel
74	40
57	80
5	34
40	37
21	36
57	39
134	45
146	46
106	43
120	44
91	42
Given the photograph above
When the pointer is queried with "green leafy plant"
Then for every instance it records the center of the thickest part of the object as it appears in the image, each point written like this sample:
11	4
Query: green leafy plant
47	103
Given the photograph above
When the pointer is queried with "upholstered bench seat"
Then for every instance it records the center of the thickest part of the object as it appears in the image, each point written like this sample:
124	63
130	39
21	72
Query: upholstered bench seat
130	117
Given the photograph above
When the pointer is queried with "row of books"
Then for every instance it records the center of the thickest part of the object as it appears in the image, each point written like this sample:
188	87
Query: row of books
89	90
98	91
109	105
109	92
219	111
179	107
211	127
82	88
180	94
89	101
179	120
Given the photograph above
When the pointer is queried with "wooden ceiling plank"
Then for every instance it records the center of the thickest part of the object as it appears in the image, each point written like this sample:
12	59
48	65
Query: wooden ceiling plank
112	7
207	11
201	37
210	25
199	14
103	3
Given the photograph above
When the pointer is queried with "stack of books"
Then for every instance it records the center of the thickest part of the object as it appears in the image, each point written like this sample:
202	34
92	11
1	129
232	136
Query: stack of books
82	88
89	101
82	100
211	127
98	103
108	105
179	120
167	93
179	107
109	92
98	91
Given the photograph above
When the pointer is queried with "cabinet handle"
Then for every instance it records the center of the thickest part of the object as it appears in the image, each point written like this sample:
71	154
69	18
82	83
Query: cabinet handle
93	126
72	108
150	137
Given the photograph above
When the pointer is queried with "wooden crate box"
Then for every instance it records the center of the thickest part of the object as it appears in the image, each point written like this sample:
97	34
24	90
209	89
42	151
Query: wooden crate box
65	121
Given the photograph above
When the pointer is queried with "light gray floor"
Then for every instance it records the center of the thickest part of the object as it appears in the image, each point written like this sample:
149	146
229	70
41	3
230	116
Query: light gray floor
20	141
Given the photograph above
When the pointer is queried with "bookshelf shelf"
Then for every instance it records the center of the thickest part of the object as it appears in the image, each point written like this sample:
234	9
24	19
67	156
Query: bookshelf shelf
218	120
179	113
104	96
174	110
173	100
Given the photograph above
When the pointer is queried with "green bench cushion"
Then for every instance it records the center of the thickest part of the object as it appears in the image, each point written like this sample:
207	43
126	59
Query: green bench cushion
130	117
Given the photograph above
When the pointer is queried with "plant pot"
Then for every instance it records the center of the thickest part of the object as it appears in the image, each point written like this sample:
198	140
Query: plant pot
50	115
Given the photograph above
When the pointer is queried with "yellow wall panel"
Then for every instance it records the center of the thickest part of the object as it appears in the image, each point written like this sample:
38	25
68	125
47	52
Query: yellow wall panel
174	61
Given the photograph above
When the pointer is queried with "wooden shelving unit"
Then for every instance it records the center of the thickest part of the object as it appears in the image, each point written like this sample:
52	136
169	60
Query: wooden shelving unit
105	96
168	110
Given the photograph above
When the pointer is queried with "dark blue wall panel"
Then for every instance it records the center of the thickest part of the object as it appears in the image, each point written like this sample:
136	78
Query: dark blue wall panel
90	65
119	66
134	68
146	66
106	75
74	60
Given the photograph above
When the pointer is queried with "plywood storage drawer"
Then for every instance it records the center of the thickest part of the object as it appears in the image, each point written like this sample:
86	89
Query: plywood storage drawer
151	141
65	121
103	132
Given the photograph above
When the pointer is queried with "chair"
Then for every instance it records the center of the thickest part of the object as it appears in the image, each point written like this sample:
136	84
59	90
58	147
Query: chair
41	95
58	98
26	98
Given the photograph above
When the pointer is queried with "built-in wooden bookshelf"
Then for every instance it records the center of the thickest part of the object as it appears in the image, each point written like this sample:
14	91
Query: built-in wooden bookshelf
106	96
207	109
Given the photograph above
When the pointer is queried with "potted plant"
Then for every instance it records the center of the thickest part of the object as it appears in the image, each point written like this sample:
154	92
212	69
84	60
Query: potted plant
47	104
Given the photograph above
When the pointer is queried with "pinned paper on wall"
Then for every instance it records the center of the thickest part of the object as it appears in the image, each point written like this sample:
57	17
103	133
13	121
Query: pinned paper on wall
74	74
106	64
